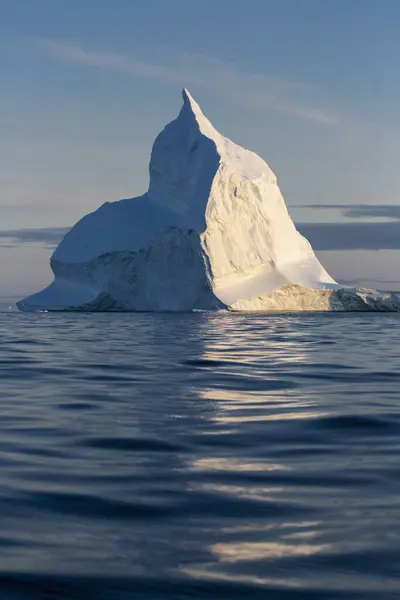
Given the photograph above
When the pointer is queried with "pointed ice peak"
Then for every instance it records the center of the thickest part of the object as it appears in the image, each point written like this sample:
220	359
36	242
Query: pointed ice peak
189	100
241	160
192	107
189	150
190	103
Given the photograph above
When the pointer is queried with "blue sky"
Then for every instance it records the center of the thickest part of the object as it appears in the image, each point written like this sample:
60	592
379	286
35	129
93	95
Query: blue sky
313	86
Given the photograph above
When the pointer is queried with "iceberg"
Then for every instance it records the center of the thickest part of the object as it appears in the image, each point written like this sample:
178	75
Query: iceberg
212	232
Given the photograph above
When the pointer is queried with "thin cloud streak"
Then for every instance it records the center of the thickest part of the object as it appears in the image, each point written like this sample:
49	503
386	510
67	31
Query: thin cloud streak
50	237
357	211
252	90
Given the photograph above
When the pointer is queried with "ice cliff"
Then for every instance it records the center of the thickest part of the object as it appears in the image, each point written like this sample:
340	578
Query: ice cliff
211	232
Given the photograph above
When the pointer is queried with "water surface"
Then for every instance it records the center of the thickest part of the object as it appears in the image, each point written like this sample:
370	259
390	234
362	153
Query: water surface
199	456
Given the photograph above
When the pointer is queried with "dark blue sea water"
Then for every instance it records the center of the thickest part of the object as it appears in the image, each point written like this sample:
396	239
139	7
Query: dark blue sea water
199	455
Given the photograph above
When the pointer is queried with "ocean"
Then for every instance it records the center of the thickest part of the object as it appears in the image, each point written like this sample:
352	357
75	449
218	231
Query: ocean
203	455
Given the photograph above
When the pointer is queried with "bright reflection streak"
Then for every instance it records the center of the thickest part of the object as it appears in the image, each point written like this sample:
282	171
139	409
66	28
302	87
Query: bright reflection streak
289	405
276	417
262	494
209	575
264	527
245	551
250	382
235	399
234	464
298	524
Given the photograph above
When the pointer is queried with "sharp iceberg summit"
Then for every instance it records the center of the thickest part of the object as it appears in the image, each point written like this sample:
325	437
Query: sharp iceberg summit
211	232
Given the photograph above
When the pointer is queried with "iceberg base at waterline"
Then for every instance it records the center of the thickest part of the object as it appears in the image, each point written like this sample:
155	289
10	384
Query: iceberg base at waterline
293	298
211	233
62	295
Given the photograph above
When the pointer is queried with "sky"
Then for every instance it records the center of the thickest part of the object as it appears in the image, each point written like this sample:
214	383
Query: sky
313	86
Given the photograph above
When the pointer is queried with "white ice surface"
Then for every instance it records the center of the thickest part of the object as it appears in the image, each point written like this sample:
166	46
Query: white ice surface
212	230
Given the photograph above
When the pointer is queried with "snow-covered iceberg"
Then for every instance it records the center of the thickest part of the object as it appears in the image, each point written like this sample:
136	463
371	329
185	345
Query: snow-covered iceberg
211	232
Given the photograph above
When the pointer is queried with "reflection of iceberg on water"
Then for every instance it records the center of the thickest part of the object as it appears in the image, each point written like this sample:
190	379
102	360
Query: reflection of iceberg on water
211	232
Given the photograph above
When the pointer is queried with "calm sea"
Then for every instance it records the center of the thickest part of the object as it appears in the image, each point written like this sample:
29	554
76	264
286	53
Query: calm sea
189	456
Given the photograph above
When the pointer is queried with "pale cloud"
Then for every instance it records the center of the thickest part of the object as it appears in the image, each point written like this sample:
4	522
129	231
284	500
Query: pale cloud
256	91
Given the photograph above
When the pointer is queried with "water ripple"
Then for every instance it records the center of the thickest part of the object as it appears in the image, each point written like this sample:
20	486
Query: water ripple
199	456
